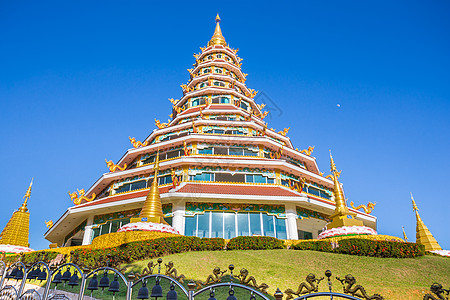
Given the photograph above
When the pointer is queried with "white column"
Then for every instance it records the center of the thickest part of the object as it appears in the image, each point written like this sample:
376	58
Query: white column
291	215
88	230
178	209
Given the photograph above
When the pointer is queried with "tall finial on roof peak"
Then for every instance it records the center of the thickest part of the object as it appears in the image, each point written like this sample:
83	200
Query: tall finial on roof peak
217	38
27	196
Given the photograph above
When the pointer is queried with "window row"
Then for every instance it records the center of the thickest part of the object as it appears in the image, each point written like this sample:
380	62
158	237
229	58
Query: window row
228	225
221	150
232	177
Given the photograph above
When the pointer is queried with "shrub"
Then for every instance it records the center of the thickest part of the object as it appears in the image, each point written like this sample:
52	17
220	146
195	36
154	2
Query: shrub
141	250
255	243
365	247
33	257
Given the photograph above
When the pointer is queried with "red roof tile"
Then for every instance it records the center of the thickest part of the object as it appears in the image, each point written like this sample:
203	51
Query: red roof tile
258	190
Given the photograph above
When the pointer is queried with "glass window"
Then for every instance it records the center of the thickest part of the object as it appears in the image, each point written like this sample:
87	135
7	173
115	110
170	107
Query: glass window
220	150
280	225
229	225
255	223
216	224
224	100
244	105
138	185
248	178
243	224
205	151
168	220
203	225
268	225
250	153
190	225
95	233
202	177
259	178
270	180
115	225
235	151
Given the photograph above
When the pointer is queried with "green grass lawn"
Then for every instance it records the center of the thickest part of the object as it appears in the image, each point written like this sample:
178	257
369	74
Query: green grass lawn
403	279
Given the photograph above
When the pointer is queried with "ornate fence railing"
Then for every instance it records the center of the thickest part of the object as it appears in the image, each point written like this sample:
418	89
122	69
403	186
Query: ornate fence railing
88	281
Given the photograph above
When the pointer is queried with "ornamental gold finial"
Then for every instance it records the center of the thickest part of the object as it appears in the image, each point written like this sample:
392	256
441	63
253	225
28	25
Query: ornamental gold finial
217	38
404	234
27	196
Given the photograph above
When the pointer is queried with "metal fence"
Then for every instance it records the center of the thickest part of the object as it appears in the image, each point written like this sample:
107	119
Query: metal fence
170	285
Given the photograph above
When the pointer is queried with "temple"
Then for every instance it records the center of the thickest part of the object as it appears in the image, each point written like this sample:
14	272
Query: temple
217	168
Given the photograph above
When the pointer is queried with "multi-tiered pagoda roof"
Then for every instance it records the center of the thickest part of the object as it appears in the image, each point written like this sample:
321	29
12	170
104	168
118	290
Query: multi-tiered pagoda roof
223	171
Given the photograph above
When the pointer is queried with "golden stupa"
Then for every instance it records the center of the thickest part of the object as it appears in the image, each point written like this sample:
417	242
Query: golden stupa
152	209
16	231
423	235
217	38
342	216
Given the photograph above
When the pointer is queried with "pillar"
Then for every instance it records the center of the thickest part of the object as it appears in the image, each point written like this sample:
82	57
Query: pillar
291	215
88	230
178	210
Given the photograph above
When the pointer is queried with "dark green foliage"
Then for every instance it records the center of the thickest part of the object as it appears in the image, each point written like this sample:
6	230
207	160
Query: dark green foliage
33	257
255	243
365	247
141	250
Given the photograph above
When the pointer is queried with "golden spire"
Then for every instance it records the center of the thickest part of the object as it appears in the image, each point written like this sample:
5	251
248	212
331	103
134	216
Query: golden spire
217	38
27	196
342	216
423	235
404	234
152	209
16	230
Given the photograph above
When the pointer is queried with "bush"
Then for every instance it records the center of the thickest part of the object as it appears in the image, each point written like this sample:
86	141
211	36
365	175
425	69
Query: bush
33	257
255	243
365	247
324	246
141	250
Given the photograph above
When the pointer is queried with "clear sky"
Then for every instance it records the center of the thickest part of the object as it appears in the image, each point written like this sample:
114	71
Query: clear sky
78	77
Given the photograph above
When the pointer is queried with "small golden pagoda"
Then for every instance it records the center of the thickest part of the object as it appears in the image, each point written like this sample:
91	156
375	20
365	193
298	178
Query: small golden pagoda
342	216
423	235
16	230
152	209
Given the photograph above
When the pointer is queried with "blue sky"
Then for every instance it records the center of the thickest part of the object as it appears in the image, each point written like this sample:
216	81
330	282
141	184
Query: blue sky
78	77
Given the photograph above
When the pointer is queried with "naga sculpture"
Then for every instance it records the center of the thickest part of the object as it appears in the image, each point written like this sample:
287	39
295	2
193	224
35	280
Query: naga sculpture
356	290
137	144
297	186
49	224
187	151
261	106
308	151
251	281
172	272
367	209
77	198
264	114
173	101
436	288
311	285
213	278
276	155
161	125
112	167
284	132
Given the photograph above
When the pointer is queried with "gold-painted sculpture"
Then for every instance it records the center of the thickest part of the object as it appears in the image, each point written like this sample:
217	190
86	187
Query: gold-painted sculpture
137	144
173	101
16	231
284	132
49	224
308	151
113	167
350	288
342	216
172	272
152	209
251	94
187	151
78	197
161	125
217	38
367	209
213	278
276	155
297	186
175	179
311	285
423	235
251	281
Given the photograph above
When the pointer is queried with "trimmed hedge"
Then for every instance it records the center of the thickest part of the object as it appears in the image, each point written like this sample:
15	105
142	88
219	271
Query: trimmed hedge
33	257
365	247
255	243
141	250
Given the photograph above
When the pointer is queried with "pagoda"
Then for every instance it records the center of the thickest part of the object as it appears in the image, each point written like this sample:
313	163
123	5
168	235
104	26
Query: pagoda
423	234
216	167
14	237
